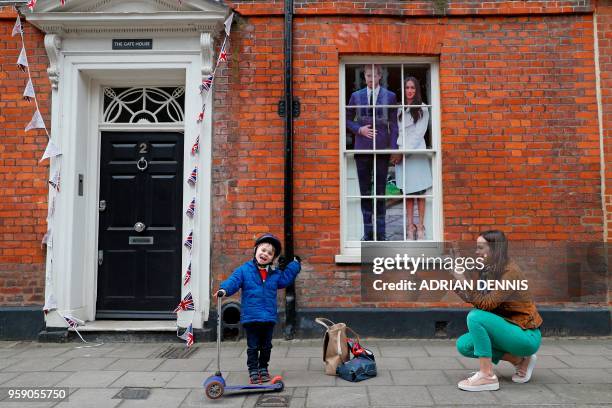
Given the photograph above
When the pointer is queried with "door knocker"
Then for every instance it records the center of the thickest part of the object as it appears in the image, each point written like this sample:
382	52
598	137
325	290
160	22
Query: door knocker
142	164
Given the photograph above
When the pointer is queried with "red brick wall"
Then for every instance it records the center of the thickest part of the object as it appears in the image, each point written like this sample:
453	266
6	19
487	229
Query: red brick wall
604	26
23	201
413	7
519	131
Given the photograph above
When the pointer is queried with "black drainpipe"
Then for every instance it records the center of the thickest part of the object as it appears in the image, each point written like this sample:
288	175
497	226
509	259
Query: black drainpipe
288	209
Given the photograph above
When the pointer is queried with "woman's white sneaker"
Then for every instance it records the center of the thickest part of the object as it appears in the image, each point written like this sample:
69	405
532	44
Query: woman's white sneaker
528	372
479	382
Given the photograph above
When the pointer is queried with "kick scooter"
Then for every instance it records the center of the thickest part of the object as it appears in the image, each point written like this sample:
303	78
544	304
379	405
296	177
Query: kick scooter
215	385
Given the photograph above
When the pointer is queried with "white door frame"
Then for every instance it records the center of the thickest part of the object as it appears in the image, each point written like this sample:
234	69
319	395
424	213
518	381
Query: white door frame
75	128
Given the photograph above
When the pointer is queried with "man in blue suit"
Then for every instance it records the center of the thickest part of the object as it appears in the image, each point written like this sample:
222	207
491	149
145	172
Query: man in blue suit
374	129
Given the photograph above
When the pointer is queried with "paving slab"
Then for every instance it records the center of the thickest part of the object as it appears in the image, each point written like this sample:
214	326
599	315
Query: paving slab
85	363
586	361
7	362
159	398
441	350
587	349
153	379
90	379
526	394
585	375
91	398
451	395
136	350
197	399
90	350
544	361
36	379
189	380
337	397
209	352
419	377
36	364
287	363
5	377
583	393
139	364
305	351
399	396
42	350
302	378
433	363
402	351
189	364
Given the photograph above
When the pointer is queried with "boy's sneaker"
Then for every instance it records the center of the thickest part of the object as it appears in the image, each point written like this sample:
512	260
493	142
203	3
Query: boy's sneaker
479	382
254	377
264	375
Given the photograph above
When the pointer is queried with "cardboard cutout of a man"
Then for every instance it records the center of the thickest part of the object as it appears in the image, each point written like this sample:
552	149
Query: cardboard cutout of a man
373	129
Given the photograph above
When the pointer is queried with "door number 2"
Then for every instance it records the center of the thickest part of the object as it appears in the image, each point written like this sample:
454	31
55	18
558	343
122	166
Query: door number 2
143	148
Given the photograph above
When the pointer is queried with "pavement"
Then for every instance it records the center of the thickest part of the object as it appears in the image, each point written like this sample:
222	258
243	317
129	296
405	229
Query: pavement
571	372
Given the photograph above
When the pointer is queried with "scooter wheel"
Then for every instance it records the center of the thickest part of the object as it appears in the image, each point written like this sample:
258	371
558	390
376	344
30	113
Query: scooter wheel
214	389
281	386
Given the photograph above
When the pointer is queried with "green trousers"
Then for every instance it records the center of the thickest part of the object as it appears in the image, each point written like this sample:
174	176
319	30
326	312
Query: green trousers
492	336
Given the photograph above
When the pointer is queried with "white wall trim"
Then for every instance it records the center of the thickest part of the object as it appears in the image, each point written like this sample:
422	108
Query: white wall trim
76	111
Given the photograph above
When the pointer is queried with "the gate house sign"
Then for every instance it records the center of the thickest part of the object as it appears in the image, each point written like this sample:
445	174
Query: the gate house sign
136	44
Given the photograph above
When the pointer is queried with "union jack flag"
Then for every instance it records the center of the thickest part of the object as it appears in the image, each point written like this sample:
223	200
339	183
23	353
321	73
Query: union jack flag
73	321
187	275
222	54
191	208
185	304
206	84
31	4
201	116
193	178
55	182
196	146
187	335
189	240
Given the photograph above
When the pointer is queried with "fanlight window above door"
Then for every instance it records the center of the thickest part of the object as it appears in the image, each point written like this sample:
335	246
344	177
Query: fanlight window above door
144	105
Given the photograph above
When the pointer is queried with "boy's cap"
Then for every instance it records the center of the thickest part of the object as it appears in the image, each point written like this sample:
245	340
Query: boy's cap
272	240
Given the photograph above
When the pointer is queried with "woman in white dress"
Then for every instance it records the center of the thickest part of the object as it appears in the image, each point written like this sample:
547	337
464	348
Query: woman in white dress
413	174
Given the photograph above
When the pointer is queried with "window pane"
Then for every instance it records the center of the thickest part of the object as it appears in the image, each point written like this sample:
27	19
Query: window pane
354	219
418	218
368	86
414	121
413	173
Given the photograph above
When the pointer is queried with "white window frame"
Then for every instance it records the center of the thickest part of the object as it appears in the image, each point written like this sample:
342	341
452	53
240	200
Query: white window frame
350	251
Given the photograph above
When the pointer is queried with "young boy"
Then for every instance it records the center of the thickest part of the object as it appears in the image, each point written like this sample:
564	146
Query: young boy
259	283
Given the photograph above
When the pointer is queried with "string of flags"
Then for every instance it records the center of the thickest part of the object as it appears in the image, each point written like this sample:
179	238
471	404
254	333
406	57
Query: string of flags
53	151
187	303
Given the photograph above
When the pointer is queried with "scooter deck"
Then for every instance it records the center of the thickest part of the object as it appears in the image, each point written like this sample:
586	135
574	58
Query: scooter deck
253	387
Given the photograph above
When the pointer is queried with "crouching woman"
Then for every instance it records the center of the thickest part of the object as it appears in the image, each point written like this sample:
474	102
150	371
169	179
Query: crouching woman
504	324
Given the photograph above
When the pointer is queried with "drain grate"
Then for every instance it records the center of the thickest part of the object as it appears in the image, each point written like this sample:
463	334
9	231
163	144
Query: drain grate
133	393
279	401
176	352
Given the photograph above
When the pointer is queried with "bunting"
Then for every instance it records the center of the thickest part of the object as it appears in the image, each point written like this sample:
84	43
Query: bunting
51	151
37	122
17	29
187	275
196	146
185	304
22	60
191	208
28	93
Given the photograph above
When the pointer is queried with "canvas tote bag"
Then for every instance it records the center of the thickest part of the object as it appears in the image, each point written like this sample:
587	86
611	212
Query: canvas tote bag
335	348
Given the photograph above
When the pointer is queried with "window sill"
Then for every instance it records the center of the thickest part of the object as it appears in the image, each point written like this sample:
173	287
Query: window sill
348	259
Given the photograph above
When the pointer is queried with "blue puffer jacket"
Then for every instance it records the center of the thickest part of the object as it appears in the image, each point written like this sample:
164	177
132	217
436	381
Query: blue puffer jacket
258	298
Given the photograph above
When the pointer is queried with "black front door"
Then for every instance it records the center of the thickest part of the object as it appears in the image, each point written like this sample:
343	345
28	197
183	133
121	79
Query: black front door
140	242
